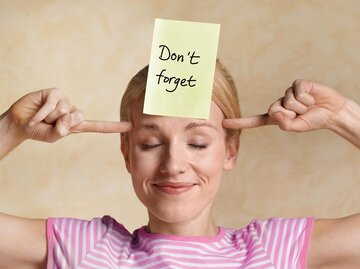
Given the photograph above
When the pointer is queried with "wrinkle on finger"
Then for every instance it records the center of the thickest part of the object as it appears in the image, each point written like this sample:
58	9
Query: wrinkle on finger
62	108
291	103
62	127
302	91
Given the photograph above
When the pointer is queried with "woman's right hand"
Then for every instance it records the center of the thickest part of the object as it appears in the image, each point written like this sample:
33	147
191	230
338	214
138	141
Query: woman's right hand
47	115
44	115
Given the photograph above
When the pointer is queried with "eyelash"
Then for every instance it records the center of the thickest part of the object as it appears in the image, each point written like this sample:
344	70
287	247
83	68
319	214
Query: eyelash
199	146
147	147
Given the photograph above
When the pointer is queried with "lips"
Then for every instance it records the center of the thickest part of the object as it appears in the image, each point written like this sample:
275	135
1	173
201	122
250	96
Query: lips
174	187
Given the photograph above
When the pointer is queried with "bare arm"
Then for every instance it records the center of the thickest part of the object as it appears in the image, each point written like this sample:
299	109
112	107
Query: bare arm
44	115
347	122
306	106
22	243
335	244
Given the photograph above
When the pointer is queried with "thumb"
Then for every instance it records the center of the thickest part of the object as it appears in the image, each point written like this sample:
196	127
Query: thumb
290	123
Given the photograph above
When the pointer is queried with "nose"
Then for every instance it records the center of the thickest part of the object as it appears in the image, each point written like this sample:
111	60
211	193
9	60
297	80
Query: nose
174	160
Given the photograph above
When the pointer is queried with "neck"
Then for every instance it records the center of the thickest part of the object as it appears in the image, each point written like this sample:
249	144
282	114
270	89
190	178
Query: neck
199	226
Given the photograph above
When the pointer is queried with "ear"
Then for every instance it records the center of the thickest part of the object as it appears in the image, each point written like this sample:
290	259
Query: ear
124	142
232	149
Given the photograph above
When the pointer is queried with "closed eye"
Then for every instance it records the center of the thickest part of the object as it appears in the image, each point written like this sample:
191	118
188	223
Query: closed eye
145	147
198	146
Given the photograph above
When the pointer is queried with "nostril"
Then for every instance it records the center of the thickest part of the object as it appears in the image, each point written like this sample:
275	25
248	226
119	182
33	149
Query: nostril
163	169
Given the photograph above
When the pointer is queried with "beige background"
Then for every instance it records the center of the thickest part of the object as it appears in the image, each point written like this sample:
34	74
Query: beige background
91	49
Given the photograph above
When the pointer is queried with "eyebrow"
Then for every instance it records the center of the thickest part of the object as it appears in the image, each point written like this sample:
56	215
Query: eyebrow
191	125
148	126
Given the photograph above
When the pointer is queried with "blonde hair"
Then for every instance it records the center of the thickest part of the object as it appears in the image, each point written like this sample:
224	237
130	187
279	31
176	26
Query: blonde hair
224	94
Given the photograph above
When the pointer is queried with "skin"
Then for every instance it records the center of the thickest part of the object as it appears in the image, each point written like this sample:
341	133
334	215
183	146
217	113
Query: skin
167	155
160	157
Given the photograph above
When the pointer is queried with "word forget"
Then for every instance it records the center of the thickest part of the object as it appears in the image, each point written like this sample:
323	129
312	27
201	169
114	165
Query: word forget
166	55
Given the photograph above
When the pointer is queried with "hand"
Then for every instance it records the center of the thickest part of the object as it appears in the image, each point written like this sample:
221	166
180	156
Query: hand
47	115
305	106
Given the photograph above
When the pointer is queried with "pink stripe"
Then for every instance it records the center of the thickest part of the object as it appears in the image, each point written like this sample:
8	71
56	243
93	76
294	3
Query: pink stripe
73	241
50	243
107	244
283	236
273	237
297	234
88	236
199	239
80	239
306	244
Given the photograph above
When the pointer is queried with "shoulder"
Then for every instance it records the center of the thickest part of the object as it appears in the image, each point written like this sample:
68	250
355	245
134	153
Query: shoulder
283	240
277	226
94	227
70	239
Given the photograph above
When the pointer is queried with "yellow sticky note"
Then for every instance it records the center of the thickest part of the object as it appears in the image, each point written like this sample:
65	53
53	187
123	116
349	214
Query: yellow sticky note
181	69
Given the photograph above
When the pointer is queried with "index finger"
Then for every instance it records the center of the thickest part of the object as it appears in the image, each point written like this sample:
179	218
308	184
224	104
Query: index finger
102	127
248	122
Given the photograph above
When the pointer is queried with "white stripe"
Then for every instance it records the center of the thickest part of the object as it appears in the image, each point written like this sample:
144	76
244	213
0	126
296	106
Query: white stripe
114	250
275	241
62	236
282	242
290	243
84	241
69	245
269	229
76	243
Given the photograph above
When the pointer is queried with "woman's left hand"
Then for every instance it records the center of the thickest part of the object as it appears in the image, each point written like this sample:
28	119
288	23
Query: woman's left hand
305	106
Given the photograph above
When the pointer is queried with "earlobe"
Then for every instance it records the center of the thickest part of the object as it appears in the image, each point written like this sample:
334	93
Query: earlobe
232	149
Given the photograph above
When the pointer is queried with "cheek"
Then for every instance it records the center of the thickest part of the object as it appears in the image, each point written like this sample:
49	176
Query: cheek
143	164
211	162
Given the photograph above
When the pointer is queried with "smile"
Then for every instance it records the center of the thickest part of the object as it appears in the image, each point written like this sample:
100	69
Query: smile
174	188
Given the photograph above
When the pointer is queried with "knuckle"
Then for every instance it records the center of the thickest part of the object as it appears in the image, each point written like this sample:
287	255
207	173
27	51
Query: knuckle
56	93
298	82
288	104
56	90
61	132
300	95
272	109
63	110
288	90
301	83
285	126
77	116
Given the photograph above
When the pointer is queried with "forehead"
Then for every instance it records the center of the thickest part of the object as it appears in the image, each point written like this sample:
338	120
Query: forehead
215	118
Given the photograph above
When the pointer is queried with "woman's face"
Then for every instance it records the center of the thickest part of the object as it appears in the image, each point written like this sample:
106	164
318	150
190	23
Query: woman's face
176	164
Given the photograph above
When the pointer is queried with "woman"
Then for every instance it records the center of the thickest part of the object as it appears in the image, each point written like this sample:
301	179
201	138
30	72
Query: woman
176	166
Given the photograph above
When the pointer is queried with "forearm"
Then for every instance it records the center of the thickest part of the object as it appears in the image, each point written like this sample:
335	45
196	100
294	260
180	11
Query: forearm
347	122
8	136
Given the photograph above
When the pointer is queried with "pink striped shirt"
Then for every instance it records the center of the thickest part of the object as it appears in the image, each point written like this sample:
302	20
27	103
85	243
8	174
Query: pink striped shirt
104	243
